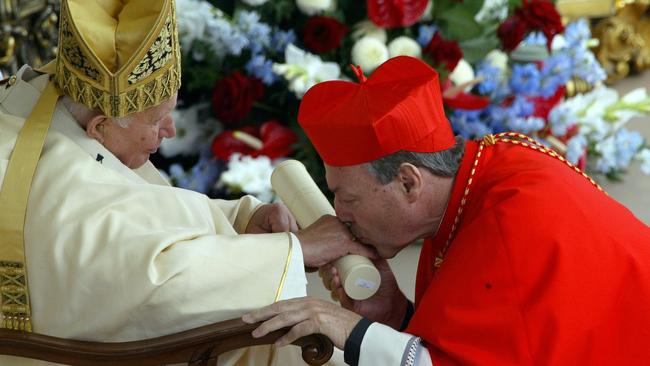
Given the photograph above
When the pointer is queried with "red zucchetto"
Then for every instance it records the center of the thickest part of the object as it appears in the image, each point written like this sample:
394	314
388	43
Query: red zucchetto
398	108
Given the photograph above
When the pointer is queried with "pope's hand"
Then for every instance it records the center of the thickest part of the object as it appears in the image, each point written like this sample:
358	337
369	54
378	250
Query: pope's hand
388	305
329	239
272	218
305	316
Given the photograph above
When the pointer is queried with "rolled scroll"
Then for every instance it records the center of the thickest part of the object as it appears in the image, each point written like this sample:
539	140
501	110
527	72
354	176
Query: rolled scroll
294	185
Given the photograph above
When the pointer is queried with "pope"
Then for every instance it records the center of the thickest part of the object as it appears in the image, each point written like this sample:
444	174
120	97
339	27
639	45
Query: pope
94	243
525	259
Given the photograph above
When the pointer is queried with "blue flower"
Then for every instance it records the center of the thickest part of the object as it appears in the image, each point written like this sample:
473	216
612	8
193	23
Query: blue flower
575	148
469	124
606	148
491	77
526	125
536	38
498	118
561	118
281	39
259	34
425	33
225	39
555	73
628	144
521	107
577	33
262	68
586	67
525	79
201	177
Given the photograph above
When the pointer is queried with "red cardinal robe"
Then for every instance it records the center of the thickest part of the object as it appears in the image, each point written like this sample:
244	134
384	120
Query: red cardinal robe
543	269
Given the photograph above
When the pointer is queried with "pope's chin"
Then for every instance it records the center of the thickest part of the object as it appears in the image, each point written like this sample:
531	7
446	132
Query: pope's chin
138	161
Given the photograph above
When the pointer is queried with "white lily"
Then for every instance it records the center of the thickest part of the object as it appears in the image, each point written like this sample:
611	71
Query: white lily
249	175
303	70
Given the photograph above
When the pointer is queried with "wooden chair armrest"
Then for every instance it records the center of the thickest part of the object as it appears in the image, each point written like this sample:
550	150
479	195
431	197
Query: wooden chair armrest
198	346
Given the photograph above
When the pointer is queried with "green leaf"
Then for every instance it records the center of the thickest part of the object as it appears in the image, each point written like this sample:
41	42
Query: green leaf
475	49
514	4
459	23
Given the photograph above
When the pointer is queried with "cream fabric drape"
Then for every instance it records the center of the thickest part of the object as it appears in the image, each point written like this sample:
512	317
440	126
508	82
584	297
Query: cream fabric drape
117	255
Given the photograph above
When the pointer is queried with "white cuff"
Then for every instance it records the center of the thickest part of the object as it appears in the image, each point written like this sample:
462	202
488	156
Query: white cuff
383	345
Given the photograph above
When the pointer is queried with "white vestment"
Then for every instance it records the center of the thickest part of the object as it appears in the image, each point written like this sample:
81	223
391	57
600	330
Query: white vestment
115	254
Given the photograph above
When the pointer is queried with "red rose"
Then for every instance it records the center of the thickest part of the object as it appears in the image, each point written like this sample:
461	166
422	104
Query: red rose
511	32
444	52
395	13
233	96
541	15
322	34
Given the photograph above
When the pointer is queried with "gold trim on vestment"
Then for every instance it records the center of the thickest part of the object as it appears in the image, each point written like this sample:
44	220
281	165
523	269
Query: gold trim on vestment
14	195
286	269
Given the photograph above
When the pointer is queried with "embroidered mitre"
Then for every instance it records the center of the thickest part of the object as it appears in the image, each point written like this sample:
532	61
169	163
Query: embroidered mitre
118	56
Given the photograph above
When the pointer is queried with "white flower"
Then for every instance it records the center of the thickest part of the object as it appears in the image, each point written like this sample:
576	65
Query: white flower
597	101
644	157
595	128
637	103
254	2
492	10
249	175
369	53
302	70
463	73
192	17
367	28
404	46
313	7
497	59
559	43
194	128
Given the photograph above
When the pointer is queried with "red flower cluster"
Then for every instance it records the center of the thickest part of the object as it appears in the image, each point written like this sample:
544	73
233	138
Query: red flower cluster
395	13
533	15
233	96
444	52
322	34
276	141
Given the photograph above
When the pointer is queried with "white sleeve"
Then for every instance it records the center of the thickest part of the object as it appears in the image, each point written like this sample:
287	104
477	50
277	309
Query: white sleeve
295	284
383	345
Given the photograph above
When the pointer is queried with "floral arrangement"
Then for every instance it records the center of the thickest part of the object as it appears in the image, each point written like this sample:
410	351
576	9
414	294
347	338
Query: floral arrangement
505	66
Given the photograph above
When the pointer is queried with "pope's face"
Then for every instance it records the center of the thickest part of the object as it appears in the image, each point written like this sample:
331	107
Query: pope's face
377	214
142	137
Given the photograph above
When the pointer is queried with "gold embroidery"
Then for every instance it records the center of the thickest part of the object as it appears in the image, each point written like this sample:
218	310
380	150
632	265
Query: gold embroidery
15	297
73	53
158	55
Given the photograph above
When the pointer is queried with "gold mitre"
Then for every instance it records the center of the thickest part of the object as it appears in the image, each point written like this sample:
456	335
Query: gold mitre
118	56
